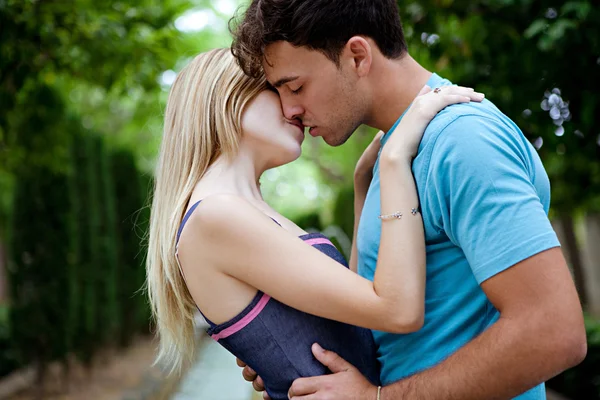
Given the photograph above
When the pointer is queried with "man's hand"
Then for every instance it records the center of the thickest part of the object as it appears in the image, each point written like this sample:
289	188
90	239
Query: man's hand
251	376
346	382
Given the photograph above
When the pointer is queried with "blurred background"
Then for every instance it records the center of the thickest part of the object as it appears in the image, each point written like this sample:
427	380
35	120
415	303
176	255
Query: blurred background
83	86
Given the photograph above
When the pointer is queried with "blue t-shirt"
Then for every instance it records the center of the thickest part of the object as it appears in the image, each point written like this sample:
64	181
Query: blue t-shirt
484	198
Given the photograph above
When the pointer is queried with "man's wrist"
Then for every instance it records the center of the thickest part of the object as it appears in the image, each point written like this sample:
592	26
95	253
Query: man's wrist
385	393
401	390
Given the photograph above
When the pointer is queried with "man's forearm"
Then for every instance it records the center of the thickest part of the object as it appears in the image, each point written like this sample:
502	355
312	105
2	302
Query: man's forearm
360	194
503	362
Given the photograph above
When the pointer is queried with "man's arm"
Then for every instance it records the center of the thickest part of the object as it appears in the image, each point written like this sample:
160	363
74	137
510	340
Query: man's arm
539	334
363	174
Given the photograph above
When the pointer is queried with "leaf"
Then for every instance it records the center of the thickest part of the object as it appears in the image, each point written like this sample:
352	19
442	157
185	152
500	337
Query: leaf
558	29
580	8
537	27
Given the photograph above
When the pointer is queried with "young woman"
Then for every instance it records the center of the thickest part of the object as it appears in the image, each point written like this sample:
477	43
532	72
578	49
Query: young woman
268	289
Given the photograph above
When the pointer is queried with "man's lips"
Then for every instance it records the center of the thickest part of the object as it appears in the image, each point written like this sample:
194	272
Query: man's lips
313	131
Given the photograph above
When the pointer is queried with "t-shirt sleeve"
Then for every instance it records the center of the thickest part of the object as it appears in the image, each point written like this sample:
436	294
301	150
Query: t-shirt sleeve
483	177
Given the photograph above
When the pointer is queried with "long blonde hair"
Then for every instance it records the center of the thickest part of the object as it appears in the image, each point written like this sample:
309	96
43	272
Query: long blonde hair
202	122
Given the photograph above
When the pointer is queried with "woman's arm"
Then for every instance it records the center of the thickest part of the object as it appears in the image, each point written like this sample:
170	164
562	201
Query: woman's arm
400	272
233	237
240	241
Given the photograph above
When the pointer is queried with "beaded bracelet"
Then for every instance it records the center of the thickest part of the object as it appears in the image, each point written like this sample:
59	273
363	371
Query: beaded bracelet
397	215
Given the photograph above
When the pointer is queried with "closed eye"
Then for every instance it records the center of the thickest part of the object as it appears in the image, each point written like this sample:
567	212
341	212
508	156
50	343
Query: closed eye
297	90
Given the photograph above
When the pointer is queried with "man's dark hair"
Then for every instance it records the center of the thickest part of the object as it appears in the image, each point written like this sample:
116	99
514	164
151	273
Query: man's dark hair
323	25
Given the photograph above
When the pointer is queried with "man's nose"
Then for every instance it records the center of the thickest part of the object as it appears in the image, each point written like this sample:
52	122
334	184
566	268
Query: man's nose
291	110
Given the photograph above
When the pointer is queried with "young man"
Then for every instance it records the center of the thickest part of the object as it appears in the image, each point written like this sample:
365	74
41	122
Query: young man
502	313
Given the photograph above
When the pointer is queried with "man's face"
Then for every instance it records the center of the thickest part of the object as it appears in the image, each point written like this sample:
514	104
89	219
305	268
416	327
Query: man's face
312	88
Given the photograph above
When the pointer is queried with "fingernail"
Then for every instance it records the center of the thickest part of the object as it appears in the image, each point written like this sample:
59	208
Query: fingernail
318	348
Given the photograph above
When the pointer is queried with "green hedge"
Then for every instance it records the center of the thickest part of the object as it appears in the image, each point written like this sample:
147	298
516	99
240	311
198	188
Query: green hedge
74	256
39	245
8	358
131	224
39	275
343	210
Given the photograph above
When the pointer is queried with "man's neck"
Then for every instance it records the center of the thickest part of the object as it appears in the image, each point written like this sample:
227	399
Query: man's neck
396	84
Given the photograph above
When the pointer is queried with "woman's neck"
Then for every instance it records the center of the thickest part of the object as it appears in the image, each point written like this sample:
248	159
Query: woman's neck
239	176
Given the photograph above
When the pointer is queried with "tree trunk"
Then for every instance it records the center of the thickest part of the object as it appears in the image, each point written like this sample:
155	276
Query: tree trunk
566	235
592	258
40	380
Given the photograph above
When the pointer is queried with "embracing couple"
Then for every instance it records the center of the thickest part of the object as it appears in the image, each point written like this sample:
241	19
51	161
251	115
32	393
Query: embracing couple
456	287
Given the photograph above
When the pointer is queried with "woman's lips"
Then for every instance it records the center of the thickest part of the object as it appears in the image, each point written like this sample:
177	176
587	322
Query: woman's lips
297	123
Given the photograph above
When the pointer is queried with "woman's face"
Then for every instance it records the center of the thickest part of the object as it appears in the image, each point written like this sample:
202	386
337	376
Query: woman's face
268	134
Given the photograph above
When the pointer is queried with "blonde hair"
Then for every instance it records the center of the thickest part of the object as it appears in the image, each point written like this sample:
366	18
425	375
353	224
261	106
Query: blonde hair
202	122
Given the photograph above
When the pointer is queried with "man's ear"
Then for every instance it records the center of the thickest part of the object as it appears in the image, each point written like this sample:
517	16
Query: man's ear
359	54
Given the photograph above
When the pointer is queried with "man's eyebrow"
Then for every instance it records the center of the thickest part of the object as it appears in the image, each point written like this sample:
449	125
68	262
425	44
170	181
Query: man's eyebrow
284	80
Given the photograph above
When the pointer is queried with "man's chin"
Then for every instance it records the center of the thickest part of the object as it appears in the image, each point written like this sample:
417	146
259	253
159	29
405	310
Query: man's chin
335	141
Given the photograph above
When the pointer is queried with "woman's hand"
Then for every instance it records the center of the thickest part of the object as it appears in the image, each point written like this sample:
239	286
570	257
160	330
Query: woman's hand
404	141
363	172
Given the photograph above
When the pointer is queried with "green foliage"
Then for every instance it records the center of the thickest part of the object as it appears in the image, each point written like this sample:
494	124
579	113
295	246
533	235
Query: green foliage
309	222
89	194
343	211
515	51
68	81
39	271
8	356
73	288
107	262
130	272
141	226
112	46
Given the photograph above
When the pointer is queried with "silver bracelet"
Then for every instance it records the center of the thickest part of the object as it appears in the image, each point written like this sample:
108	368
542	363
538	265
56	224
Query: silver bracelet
397	214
